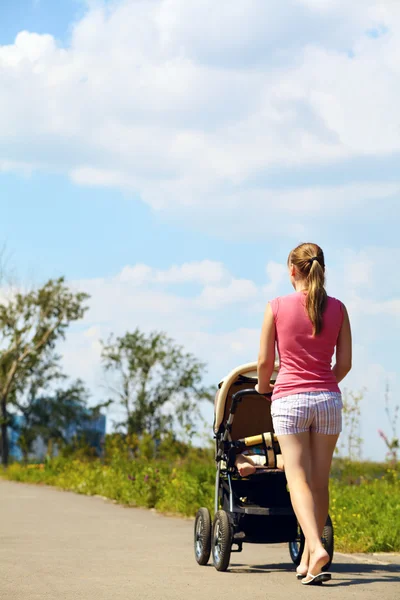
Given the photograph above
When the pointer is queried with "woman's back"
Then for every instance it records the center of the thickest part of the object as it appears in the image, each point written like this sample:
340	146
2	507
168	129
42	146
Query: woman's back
305	360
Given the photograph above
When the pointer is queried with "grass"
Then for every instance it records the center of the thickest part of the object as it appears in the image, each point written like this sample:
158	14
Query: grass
365	497
366	516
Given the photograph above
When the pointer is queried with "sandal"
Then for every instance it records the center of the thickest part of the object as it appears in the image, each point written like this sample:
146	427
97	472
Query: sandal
317	579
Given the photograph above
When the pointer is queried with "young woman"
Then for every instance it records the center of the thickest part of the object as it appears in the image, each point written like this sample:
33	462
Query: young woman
306	327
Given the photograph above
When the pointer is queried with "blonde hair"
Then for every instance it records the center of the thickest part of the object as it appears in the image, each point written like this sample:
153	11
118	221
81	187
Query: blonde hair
309	260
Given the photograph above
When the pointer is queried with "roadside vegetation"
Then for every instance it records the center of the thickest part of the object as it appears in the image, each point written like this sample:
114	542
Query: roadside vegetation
365	497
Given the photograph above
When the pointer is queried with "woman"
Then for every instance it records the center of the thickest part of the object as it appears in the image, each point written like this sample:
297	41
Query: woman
306	326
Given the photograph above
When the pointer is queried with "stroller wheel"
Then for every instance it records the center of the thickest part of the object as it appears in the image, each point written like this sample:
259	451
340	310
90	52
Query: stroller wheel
328	541
296	547
202	536
221	541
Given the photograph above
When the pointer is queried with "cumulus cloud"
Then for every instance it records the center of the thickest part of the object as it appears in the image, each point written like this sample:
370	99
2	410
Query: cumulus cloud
10	166
198	317
196	107
203	272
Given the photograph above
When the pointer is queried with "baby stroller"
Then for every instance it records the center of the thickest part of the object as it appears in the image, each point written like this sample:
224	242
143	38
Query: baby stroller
254	509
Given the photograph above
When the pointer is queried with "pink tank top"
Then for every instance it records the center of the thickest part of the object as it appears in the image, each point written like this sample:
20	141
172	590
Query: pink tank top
305	361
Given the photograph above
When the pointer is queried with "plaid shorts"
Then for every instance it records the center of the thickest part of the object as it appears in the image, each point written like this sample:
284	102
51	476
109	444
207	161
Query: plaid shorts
309	411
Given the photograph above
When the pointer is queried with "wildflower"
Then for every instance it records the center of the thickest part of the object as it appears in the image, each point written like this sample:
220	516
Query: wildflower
146	478
383	436
131	478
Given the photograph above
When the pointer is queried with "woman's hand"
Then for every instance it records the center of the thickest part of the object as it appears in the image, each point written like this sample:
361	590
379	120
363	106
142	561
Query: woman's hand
267	389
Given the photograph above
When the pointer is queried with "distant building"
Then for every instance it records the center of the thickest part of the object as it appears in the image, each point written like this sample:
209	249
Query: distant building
13	435
93	430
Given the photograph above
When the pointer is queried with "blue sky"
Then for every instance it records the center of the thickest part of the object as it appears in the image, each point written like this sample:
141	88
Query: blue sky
41	16
166	155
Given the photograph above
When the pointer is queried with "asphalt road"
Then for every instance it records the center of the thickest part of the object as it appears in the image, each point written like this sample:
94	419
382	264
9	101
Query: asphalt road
61	546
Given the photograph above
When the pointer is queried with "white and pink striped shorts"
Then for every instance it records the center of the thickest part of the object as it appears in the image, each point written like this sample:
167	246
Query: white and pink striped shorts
320	412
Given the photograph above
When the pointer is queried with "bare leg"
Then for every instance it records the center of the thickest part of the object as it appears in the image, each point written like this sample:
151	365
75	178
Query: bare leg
244	465
297	455
322	449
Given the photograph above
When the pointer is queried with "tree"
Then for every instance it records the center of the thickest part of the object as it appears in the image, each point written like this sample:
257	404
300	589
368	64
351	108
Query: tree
30	326
27	393
155	380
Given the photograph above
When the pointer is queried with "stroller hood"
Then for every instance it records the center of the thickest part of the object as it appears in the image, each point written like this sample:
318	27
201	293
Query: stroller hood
247	372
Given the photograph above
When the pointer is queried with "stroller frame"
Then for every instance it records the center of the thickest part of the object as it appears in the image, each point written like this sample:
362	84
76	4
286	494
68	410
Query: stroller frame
230	490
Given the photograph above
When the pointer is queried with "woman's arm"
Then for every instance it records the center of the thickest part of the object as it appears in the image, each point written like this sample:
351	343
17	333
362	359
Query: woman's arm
343	349
266	356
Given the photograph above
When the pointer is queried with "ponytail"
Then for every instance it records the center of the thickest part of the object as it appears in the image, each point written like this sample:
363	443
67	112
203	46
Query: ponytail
316	296
310	262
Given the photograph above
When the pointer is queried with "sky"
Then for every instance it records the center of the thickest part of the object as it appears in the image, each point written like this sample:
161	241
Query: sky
166	155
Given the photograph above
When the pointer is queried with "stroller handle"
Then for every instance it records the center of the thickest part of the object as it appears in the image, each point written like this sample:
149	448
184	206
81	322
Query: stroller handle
238	397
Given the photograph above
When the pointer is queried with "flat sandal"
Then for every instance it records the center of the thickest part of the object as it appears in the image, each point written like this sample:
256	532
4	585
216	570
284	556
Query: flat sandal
317	579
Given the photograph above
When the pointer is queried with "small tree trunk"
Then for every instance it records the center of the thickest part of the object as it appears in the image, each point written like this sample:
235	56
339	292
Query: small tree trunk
4	433
50	448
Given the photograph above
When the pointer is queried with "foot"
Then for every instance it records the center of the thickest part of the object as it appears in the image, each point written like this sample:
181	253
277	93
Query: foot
302	570
318	560
303	567
246	469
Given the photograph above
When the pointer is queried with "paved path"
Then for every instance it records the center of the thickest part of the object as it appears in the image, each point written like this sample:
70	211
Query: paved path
61	546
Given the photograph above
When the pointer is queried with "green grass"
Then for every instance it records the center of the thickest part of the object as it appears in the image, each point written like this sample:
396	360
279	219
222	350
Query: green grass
366	515
365	497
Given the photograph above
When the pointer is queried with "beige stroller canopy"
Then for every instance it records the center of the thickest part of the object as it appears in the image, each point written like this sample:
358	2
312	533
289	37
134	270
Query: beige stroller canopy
246	373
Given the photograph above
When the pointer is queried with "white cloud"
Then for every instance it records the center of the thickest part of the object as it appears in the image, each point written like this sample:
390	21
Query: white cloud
362	305
202	273
144	297
12	166
190	106
359	269
276	273
238	290
371	270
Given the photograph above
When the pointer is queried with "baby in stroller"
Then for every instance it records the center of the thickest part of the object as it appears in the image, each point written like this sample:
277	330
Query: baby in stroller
247	463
